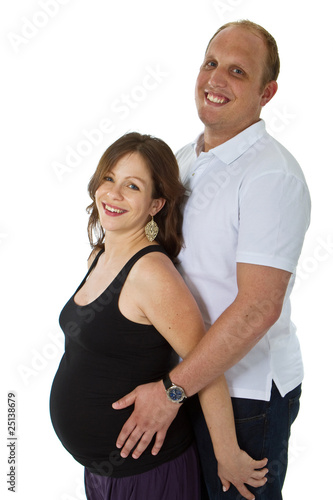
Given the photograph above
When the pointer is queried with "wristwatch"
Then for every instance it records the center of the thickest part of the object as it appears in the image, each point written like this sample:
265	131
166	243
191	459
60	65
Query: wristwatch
174	393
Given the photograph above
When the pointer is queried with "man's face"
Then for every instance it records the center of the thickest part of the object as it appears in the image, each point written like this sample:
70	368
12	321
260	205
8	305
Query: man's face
229	93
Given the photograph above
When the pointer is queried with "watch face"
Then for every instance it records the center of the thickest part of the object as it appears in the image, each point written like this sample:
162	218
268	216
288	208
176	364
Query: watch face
176	393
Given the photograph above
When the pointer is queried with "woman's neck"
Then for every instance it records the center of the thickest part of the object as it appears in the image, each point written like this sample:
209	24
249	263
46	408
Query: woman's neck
120	246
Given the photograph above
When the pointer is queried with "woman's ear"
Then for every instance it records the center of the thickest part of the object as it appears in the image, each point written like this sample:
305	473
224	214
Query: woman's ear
157	205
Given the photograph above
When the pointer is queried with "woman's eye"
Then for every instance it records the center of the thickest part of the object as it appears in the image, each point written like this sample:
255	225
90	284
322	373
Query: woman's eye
238	71
108	178
133	186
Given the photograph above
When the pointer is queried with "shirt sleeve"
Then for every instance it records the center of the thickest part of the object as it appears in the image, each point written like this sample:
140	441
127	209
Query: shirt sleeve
274	214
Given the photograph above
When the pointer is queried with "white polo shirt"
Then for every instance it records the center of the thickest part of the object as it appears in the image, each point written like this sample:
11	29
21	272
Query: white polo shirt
247	202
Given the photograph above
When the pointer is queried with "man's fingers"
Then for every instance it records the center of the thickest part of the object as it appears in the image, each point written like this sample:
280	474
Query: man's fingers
124	402
145	440
130	443
159	440
126	431
136	437
146	420
142	440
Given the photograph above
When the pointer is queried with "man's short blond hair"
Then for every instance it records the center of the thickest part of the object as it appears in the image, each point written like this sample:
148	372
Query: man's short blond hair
272	66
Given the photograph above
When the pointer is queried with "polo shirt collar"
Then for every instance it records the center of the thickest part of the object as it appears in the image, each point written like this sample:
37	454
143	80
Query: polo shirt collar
229	151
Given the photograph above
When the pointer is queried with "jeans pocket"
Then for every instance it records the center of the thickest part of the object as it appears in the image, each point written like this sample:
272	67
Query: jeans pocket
251	421
249	409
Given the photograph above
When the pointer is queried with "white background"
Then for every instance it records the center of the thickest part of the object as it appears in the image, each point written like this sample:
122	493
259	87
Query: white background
68	67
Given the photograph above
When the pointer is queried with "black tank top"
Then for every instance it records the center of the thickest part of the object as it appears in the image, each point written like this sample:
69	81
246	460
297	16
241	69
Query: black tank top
106	356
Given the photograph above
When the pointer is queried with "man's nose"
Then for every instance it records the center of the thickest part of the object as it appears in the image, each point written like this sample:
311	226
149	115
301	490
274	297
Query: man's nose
218	78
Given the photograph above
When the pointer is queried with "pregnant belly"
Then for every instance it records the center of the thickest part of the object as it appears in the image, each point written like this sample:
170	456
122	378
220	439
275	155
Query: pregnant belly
84	420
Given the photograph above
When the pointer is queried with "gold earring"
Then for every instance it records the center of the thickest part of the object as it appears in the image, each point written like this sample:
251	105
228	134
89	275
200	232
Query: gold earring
151	229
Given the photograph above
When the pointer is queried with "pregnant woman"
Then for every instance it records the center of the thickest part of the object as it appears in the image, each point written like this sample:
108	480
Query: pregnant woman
127	324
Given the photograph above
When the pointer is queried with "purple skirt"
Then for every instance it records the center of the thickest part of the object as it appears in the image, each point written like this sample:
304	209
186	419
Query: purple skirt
178	479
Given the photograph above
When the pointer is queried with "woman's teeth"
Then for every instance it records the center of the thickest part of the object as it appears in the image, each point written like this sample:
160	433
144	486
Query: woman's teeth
114	210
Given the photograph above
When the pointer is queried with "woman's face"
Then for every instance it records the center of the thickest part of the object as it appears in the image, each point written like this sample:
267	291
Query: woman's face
124	199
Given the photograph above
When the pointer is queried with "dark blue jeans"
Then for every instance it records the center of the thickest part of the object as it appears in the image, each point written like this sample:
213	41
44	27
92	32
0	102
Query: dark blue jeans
263	430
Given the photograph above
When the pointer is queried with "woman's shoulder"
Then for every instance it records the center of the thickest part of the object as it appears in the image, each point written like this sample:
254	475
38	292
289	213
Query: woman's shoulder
153	267
159	257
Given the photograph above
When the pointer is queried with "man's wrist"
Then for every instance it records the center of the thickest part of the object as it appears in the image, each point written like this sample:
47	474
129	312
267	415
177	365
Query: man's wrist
174	393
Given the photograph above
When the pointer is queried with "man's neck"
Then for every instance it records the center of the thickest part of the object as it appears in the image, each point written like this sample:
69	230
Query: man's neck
214	138
211	142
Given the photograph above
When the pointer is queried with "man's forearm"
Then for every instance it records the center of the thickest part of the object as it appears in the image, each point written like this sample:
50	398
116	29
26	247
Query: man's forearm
257	307
228	340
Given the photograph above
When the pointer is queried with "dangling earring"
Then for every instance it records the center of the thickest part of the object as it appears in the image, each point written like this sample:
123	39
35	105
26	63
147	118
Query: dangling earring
151	229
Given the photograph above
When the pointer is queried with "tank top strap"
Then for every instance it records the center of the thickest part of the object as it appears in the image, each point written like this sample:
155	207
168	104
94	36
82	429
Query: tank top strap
121	277
94	262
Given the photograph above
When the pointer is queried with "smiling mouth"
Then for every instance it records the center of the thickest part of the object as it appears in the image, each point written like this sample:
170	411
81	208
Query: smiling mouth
216	99
113	210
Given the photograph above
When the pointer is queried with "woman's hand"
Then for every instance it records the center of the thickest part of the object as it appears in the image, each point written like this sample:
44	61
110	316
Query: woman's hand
240	469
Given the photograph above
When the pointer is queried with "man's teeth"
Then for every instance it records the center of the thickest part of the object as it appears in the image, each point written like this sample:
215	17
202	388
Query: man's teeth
219	100
115	210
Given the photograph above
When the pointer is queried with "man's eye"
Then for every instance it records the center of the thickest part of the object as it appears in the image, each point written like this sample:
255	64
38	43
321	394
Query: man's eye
212	64
238	71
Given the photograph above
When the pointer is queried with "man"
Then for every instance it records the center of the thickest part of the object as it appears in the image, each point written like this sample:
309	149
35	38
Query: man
244	224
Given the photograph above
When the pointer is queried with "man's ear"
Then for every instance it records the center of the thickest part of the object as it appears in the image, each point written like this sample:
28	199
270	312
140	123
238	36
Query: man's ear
269	92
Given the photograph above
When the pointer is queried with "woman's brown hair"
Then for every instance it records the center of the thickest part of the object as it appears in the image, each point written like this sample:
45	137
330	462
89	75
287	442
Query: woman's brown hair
163	167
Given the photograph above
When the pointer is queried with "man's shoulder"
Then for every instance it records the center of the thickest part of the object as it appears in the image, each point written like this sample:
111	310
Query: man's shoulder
281	159
185	158
185	152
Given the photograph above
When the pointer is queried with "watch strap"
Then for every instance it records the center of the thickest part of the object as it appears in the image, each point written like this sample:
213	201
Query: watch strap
170	386
167	382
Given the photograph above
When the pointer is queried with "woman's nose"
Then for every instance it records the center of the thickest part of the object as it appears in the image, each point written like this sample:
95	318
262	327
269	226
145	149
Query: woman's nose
115	192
